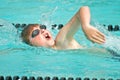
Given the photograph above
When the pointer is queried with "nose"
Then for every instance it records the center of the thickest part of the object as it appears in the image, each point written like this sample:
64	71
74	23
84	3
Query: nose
42	31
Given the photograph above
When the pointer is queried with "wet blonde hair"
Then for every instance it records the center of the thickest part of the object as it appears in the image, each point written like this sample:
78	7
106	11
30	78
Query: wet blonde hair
26	33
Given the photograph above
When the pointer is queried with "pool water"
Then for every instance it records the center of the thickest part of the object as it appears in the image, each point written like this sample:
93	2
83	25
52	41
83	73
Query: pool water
17	58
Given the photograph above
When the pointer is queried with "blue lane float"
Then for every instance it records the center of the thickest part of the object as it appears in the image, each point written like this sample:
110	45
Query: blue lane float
113	28
59	26
1	25
50	78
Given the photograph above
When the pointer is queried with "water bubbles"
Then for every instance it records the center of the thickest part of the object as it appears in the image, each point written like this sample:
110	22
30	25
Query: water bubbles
7	32
112	40
9	37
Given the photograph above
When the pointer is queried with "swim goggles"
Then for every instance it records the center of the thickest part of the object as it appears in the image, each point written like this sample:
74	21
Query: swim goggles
37	31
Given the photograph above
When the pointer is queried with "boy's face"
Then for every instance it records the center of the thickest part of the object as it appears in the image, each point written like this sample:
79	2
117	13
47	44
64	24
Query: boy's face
41	37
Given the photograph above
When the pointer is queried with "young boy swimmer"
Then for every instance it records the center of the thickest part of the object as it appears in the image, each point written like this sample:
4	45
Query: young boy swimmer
36	36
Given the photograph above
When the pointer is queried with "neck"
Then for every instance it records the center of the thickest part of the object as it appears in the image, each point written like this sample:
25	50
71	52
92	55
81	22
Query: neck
54	46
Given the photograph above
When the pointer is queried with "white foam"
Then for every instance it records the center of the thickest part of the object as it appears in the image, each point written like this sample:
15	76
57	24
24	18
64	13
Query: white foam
112	41
8	33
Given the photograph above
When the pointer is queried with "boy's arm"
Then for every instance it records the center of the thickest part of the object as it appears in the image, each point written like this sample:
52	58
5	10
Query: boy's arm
91	32
82	17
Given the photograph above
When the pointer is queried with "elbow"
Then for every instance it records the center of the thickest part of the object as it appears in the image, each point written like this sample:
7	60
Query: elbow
84	8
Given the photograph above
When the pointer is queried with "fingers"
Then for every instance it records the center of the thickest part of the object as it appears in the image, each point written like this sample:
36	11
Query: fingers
101	35
98	38
95	35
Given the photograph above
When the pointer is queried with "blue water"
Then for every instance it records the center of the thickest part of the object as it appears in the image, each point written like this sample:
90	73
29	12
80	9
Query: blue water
17	58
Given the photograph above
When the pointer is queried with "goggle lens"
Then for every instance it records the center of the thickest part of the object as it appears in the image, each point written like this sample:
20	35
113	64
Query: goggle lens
37	31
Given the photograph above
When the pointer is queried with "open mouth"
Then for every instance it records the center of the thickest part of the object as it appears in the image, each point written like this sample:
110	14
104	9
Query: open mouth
47	36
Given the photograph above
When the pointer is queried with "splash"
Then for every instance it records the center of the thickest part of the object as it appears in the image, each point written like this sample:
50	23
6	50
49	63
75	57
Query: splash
8	34
112	40
45	19
7	30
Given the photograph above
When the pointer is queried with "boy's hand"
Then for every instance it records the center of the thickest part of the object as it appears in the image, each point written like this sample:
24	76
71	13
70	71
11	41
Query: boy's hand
94	34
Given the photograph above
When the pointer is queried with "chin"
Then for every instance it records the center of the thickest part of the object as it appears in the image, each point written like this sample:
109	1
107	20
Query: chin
52	43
